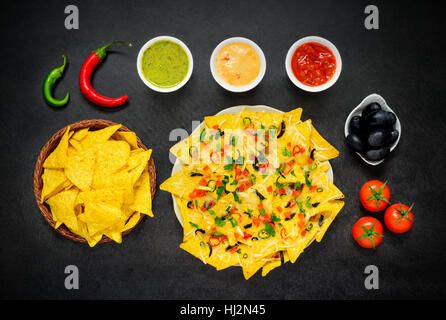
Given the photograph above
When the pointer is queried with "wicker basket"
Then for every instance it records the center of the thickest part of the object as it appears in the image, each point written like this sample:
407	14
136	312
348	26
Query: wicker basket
46	151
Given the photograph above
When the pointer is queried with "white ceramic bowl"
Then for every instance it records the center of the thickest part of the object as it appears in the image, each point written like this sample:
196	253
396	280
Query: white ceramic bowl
357	112
238	88
324	42
139	67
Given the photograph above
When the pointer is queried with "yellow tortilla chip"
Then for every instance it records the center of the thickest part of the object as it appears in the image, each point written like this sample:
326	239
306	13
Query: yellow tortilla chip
62	208
80	168
58	158
54	180
130	137
143	195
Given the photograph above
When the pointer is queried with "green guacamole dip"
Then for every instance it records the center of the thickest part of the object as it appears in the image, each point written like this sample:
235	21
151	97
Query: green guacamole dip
165	64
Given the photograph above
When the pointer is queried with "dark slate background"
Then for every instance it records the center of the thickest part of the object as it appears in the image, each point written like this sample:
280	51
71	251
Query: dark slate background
403	61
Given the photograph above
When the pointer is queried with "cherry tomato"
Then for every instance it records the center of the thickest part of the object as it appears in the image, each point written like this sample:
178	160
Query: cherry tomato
374	195
399	218
368	232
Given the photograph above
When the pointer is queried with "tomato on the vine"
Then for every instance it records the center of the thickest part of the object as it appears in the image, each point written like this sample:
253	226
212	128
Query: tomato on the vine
374	195
368	232
399	218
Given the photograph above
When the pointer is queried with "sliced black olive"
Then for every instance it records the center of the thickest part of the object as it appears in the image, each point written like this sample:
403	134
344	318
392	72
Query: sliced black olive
291	216
355	142
254	238
255	165
282	129
189	204
315	204
249	215
200	230
288	204
378	119
312	154
196	174
374	106
321	220
210	249
282	259
261	197
377	154
378	137
355	124
249	225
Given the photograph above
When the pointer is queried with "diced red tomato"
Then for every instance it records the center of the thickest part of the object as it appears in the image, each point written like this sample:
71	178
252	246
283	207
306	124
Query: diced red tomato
301	222
246	235
279	209
232	250
296	193
197	193
202	182
269	189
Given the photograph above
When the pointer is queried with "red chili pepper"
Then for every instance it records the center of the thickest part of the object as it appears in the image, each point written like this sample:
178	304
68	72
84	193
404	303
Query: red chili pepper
234	249
87	89
283	233
219	240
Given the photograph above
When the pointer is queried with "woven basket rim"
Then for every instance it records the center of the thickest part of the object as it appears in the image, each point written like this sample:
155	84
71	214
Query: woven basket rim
50	145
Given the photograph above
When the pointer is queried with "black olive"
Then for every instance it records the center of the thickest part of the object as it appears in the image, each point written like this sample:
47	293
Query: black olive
189	204
312	154
315	204
249	225
200	230
255	165
261	197
210	249
196	174
282	129
249	215
377	154
355	124
321	220
291	216
378	137
394	134
379	119
374	106
355	142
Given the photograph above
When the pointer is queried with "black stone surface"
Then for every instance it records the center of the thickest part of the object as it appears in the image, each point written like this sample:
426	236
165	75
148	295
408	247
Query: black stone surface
403	61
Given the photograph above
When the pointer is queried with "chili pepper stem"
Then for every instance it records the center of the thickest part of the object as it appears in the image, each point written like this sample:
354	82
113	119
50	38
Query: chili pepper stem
102	51
62	68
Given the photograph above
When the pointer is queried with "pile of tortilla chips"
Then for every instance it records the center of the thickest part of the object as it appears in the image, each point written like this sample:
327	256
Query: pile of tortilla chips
97	183
253	189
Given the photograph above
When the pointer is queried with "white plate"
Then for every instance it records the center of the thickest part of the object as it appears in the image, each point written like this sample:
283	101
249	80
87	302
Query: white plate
232	110
357	112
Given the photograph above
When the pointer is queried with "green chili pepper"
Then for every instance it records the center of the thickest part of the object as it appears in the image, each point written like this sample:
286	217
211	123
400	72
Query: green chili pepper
48	84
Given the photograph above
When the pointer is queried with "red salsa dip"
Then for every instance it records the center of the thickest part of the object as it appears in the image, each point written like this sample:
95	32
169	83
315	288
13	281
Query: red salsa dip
313	64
